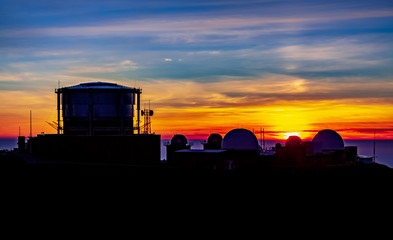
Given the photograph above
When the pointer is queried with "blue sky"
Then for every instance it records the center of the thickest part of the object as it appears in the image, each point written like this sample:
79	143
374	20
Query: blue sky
334	49
198	40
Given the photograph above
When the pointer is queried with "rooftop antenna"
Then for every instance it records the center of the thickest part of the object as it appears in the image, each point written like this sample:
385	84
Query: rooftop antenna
260	133
19	131
58	92
138	109
147	113
149	122
374	148
30	125
263	134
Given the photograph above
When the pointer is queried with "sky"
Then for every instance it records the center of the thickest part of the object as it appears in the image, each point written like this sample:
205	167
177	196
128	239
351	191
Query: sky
287	67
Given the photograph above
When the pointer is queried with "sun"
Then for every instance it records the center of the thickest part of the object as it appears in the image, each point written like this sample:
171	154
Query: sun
287	135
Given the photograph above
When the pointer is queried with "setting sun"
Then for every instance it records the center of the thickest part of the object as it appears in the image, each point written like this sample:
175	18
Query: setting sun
287	135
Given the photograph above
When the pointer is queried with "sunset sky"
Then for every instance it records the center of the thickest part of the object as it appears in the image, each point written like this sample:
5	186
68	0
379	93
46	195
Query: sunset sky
289	67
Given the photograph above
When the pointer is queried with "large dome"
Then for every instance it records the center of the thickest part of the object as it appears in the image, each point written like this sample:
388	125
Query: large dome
329	140
240	139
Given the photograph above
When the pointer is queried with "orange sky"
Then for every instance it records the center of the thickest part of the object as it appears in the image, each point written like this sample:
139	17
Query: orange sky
198	109
206	66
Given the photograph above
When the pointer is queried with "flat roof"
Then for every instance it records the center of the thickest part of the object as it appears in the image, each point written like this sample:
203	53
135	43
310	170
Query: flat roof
97	85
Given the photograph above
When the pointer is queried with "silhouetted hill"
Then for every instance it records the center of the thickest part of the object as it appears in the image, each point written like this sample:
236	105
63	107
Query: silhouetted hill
355	173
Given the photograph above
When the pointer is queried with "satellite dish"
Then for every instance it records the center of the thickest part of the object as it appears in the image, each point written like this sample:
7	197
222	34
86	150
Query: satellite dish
142	113
151	113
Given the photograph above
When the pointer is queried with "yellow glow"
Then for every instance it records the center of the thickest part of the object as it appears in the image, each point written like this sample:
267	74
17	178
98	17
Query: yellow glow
198	109
287	135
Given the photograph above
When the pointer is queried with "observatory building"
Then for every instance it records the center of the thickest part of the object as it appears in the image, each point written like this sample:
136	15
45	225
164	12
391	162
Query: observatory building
293	154
240	140
97	109
327	140
243	149
239	149
326	148
96	124
293	142
214	141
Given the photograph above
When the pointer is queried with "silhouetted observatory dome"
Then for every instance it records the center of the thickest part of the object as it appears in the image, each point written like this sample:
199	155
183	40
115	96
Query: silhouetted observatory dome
329	139
293	141
214	138
179	139
240	139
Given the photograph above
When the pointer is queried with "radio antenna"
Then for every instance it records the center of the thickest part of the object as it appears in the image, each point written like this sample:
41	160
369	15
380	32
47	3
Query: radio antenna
374	147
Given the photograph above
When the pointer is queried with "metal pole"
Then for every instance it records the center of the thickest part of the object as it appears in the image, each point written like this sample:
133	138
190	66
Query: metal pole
30	125
58	111
138	108
374	147
260	133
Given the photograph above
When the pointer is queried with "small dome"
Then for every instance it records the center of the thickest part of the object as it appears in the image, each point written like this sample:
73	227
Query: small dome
329	140
240	139
179	139
293	141
214	138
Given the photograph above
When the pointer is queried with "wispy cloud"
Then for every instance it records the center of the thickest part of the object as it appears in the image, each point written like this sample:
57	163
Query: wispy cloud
200	25
55	53
327	51
125	65
264	91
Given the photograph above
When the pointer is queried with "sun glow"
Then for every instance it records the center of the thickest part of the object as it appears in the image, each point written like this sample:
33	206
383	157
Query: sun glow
288	134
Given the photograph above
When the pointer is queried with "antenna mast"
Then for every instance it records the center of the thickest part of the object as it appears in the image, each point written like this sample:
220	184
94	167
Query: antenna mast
374	148
147	113
260	133
30	125
58	108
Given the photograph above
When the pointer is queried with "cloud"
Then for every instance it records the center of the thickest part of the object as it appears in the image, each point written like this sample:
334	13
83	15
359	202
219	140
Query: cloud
125	65
266	90
316	90
280	101
7	77
211	52
334	50
227	24
55	53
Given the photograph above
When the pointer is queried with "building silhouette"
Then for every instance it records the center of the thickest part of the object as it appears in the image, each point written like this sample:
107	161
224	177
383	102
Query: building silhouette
96	124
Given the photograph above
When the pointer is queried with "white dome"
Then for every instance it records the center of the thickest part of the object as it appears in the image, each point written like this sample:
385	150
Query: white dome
240	139
329	140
